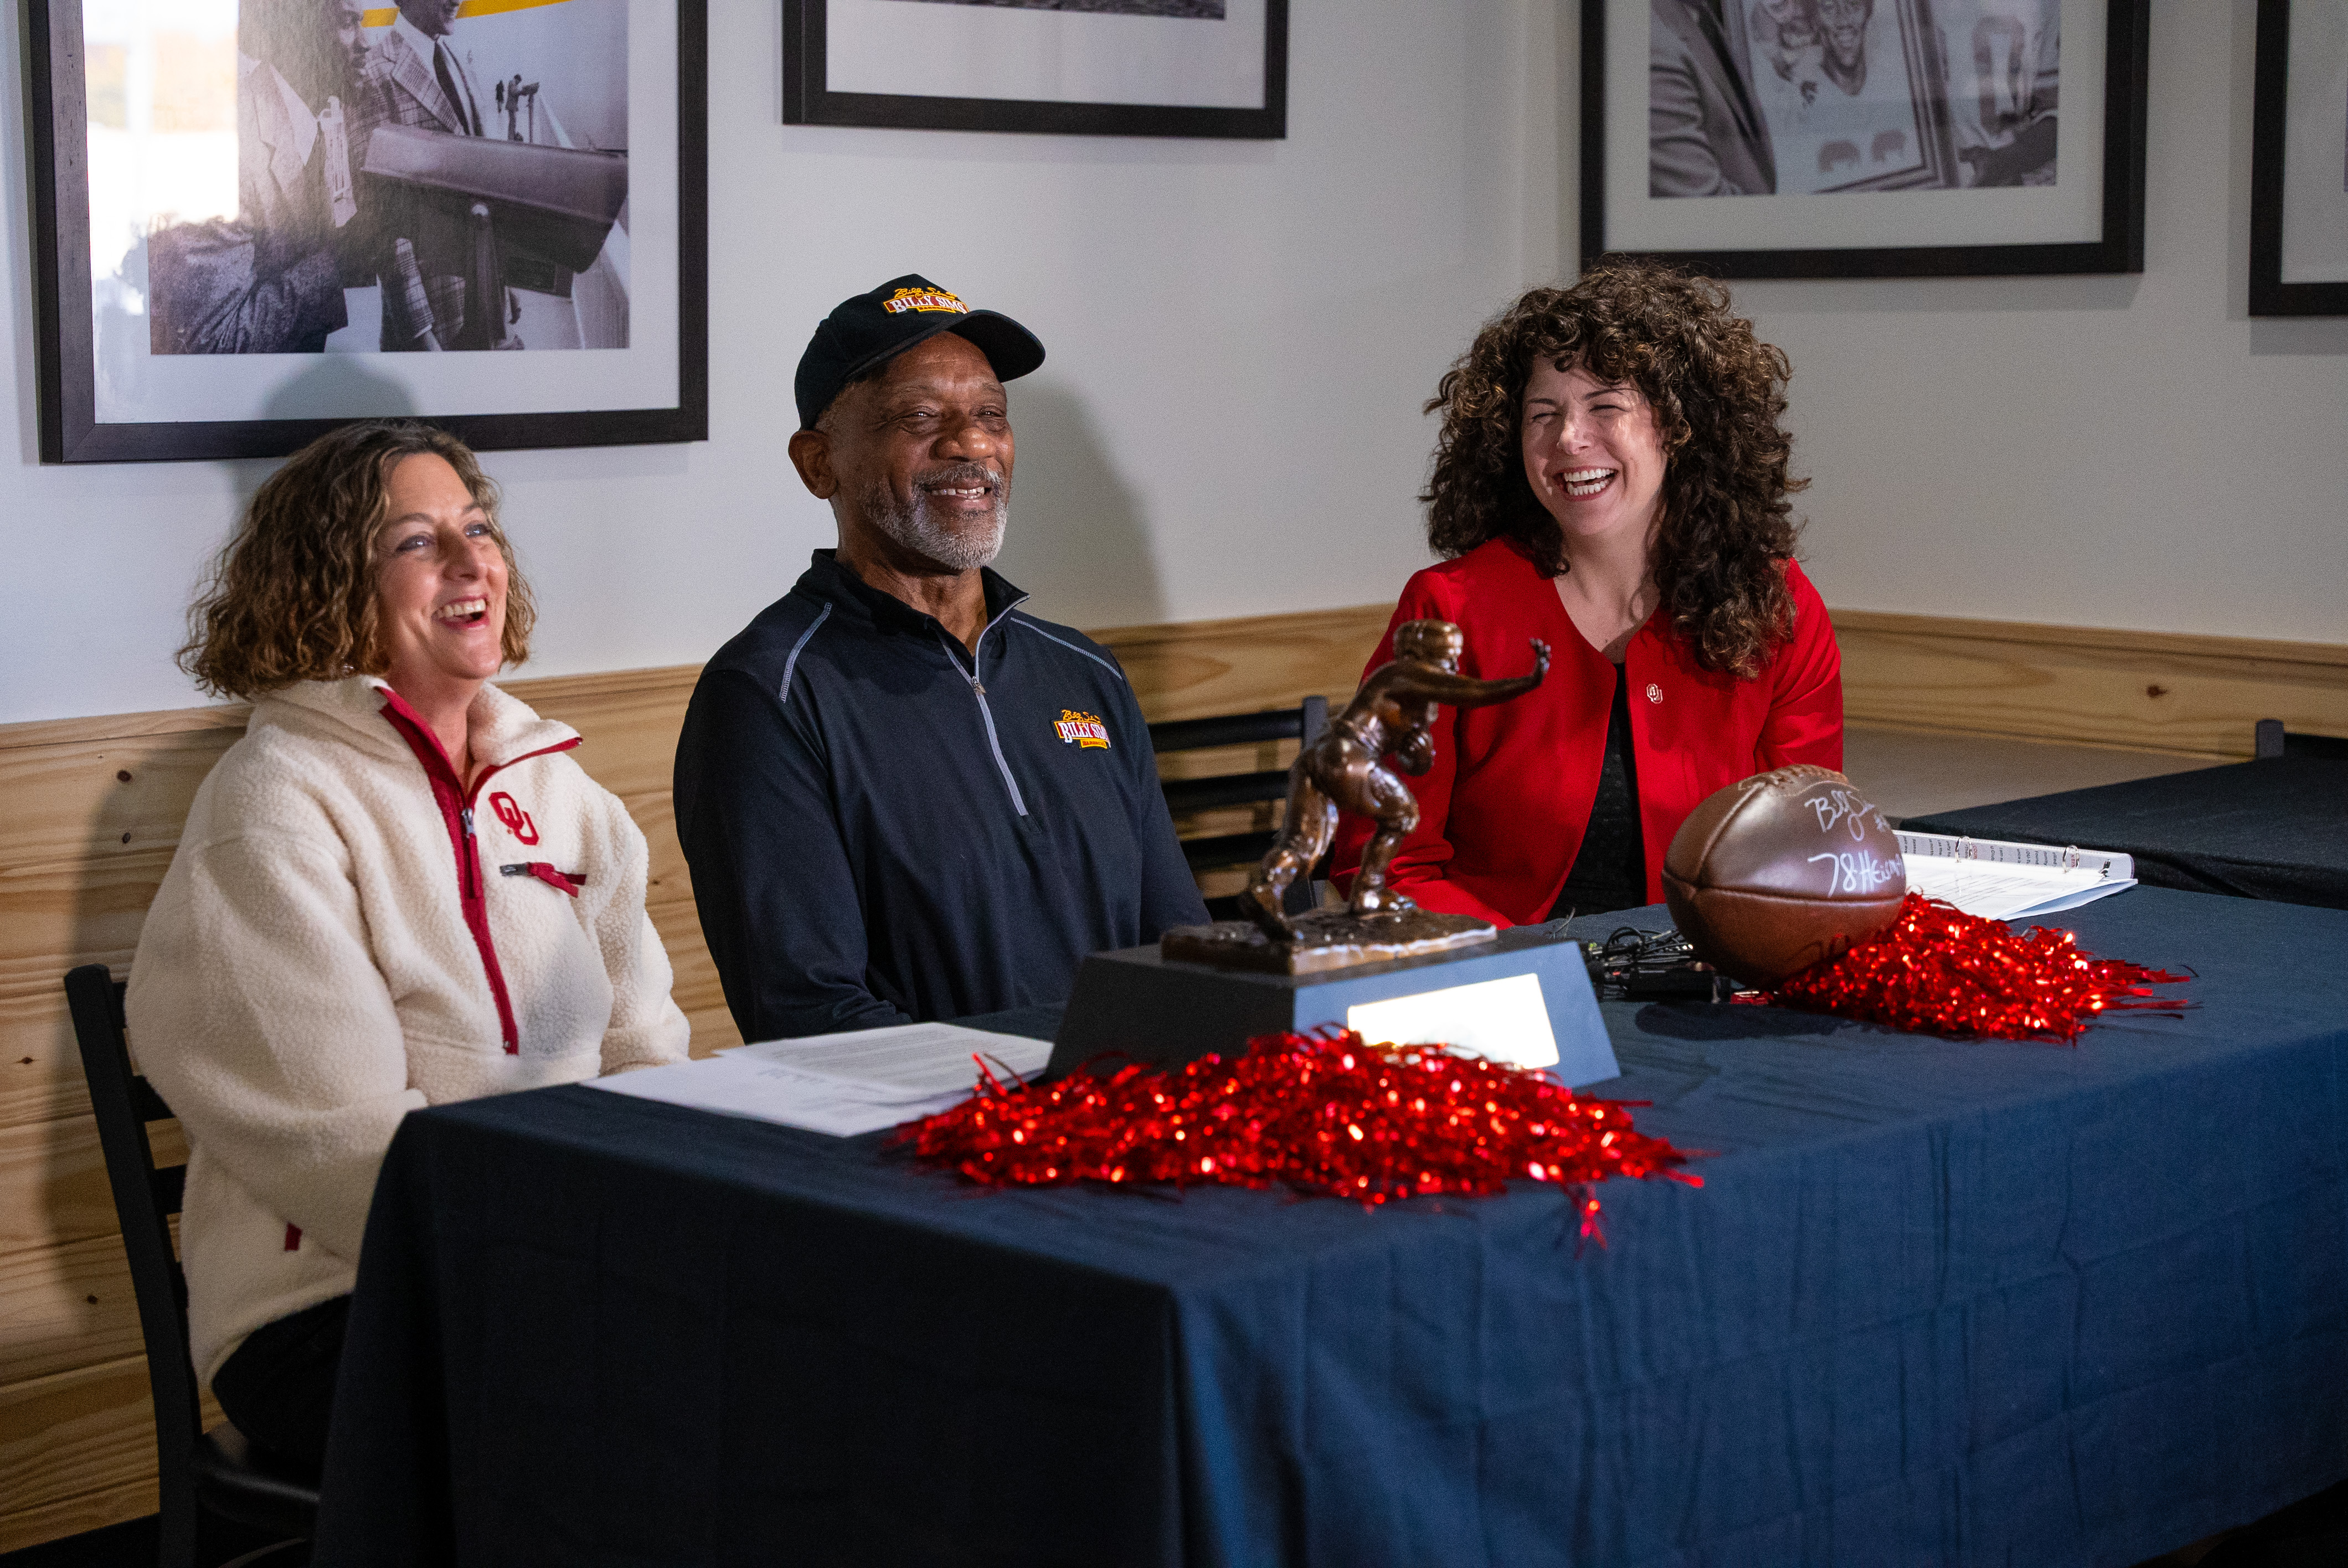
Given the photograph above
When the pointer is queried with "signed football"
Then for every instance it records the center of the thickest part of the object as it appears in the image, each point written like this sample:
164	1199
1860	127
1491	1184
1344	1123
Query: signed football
1780	871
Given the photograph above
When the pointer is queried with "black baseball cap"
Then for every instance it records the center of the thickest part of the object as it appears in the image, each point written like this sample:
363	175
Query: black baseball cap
870	329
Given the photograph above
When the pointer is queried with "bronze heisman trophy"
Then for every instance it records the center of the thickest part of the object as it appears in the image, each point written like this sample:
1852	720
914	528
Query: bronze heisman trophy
1345	770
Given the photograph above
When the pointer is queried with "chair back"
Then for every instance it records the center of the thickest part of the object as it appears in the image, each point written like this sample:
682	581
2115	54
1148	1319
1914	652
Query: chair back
145	1197
1301	724
2273	740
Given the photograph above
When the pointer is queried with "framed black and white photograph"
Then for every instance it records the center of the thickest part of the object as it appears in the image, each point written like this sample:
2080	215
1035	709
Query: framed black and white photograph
1836	138
258	218
2299	160
1088	67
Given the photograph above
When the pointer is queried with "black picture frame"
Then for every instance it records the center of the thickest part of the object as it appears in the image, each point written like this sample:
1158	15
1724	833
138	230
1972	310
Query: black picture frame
2269	294
807	100
70	431
2120	248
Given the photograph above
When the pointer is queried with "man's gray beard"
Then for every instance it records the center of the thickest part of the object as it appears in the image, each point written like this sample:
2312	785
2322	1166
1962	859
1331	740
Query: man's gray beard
913	527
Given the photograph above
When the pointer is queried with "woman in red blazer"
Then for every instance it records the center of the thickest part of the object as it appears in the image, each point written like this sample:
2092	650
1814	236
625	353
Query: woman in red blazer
1611	478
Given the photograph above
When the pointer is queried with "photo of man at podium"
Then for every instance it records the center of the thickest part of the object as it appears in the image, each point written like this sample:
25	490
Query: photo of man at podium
477	204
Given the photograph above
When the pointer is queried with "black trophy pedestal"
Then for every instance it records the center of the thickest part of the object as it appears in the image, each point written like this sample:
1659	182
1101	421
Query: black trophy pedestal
1150	1008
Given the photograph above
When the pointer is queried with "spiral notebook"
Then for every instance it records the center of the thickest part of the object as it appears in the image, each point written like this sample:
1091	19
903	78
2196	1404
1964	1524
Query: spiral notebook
2002	881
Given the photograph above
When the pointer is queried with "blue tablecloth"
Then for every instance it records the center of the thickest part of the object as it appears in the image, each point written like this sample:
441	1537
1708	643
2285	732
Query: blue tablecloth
1937	1303
2276	829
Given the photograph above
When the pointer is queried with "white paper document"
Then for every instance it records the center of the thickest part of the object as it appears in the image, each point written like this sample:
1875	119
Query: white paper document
907	1060
1502	1020
843	1084
2001	881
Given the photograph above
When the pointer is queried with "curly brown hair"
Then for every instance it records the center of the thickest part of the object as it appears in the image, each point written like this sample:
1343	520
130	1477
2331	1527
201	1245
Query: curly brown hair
291	596
1717	394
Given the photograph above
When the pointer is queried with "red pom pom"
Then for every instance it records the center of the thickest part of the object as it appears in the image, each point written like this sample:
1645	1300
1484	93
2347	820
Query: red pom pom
1938	970
1318	1113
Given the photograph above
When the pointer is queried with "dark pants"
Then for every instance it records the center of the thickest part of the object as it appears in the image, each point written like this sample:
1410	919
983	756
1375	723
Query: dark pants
279	1386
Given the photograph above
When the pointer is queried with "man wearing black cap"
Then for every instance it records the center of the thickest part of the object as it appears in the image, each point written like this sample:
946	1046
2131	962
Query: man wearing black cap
902	796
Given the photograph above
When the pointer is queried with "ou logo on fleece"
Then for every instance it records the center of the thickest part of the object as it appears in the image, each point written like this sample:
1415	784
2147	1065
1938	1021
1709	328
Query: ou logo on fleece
517	820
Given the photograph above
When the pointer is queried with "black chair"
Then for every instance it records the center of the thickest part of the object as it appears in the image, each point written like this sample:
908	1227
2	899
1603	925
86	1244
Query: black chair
198	1472
1301	724
2272	741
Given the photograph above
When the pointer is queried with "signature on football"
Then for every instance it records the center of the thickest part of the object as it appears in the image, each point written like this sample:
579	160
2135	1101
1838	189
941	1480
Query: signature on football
1836	806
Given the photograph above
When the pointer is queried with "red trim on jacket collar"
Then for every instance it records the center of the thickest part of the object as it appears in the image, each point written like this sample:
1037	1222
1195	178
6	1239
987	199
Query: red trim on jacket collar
397	704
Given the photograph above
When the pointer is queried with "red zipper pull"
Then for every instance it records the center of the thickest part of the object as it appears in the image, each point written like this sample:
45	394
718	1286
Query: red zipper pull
563	881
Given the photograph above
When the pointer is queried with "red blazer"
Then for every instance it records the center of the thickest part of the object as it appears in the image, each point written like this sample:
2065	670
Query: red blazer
1502	812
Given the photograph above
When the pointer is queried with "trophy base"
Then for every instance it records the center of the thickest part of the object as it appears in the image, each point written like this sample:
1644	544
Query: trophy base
1326	939
1139	1005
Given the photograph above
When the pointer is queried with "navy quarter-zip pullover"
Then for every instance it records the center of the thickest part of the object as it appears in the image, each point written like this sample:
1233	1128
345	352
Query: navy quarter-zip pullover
884	829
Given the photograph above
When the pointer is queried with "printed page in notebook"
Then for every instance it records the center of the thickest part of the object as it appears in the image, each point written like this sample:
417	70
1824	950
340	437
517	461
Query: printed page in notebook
2003	881
843	1084
905	1061
733	1084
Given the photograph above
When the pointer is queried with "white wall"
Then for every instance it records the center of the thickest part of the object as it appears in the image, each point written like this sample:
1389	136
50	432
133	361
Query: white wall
1240	337
1241	334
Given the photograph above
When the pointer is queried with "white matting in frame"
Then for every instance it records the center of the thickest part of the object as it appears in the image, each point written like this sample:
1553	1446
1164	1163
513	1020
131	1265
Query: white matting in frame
2315	145
134	386
2070	211
923	48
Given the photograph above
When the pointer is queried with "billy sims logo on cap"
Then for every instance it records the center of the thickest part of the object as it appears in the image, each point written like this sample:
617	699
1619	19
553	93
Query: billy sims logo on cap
904	299
1084	729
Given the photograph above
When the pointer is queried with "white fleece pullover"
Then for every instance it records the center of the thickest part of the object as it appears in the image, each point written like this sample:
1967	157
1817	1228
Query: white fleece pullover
308	973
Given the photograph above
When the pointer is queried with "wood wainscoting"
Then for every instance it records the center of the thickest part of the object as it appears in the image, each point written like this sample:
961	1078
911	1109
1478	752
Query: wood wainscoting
2143	690
93	808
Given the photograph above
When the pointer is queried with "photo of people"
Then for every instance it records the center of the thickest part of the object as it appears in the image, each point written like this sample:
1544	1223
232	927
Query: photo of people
1755	98
407	177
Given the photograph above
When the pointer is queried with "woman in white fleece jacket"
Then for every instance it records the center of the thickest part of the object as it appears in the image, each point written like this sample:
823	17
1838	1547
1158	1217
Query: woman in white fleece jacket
396	890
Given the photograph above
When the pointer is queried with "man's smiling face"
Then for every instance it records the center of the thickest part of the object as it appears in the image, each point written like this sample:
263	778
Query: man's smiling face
1844	24
921	452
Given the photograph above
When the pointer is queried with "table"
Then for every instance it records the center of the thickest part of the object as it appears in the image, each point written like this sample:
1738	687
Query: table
2276	829
2012	1303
